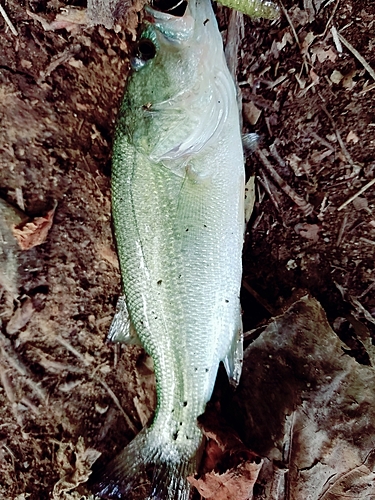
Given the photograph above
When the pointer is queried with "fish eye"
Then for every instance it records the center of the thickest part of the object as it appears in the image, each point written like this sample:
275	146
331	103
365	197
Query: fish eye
175	7
146	49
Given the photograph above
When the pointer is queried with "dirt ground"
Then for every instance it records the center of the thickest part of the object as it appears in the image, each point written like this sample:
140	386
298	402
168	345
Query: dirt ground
66	395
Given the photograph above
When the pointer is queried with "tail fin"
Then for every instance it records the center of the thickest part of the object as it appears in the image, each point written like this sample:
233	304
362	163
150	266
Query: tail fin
147	469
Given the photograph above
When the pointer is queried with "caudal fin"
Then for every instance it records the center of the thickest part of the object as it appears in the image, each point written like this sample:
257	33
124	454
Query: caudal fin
147	470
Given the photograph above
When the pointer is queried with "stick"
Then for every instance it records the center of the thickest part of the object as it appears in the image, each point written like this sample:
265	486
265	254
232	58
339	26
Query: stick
118	404
356	54
306	207
8	21
362	190
10	355
285	12
259	299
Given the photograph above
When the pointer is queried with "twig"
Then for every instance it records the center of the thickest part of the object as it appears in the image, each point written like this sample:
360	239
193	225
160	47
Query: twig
330	19
285	12
272	193
321	140
259	299
72	349
5	382
118	404
276	155
8	21
367	89
336	39
366	240
338	135
368	289
10	355
342	229
235	26
362	190
306	207
356	54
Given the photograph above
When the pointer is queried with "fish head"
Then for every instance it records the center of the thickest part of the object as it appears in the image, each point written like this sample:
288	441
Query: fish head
179	93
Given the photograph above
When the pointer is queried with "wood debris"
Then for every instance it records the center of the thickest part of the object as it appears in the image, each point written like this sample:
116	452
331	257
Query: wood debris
34	233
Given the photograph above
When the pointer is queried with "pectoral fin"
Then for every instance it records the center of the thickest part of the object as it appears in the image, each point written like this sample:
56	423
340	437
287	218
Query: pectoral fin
234	357
122	329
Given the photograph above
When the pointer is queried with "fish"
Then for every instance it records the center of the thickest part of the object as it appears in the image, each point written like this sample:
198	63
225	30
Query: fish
178	211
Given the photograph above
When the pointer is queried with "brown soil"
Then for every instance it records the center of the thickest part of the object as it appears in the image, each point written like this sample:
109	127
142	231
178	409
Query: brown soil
64	392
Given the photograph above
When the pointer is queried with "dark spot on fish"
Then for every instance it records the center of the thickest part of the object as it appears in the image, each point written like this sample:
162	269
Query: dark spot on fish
179	275
218	102
187	229
184	403
180	423
195	369
175	435
226	300
204	225
159	282
207	370
205	22
155	317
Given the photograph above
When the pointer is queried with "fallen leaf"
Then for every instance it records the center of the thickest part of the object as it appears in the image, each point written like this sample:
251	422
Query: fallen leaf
251	112
360	203
249	198
294	162
236	483
75	465
33	233
348	81
336	77
21	317
323	54
70	19
308	231
311	408
352	137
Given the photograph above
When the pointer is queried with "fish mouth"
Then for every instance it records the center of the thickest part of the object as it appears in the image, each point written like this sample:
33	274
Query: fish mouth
176	8
172	18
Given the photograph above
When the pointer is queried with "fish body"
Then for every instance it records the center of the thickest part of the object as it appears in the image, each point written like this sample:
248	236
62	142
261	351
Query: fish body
178	211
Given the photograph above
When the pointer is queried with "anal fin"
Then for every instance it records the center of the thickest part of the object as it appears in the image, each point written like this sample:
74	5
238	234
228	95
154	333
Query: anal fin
122	328
234	358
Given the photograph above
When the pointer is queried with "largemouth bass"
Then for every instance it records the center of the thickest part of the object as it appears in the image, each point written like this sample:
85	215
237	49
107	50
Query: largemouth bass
178	211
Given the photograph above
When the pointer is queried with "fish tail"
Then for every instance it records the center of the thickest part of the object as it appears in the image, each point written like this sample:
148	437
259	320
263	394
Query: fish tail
147	470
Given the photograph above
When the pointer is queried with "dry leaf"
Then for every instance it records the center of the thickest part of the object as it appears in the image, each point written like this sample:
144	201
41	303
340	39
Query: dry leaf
21	317
347	81
308	231
360	203
71	19
323	54
294	162
311	408
34	233
352	137
229	468
336	77
249	198
75	463
251	112
236	483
